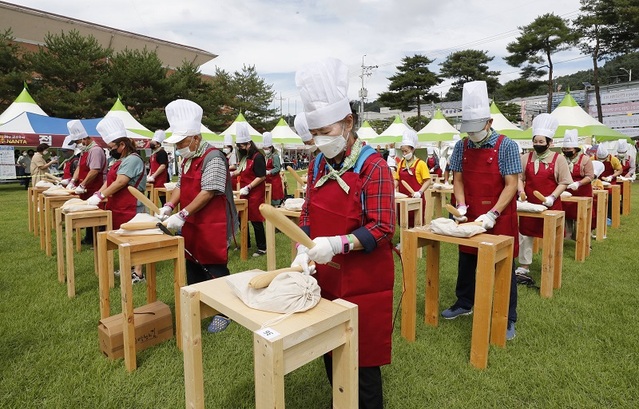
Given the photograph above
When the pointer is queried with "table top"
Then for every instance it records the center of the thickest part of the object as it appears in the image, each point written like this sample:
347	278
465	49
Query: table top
474	241
160	239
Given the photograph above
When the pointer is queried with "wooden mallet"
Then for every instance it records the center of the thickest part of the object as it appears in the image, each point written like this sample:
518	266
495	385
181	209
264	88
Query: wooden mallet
145	200
453	210
408	187
296	175
539	196
140	225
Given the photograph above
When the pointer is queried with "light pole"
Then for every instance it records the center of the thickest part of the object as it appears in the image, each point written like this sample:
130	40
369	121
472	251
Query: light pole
367	70
629	73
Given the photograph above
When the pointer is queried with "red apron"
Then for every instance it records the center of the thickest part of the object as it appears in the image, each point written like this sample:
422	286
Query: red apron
583	191
97	181
365	279
544	181
66	171
123	204
163	177
483	183
431	162
256	195
412	182
204	232
608	170
625	166
277	190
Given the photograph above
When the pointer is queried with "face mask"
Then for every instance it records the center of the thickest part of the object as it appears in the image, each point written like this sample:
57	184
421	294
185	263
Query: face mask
569	154
408	156
267	151
186	151
311	148
114	153
621	155
45	152
540	148
478	136
330	145
226	150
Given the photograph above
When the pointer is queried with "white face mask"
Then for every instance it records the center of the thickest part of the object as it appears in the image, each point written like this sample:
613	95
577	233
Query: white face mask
267	151
478	136
186	152
226	150
311	148
621	155
330	145
408	156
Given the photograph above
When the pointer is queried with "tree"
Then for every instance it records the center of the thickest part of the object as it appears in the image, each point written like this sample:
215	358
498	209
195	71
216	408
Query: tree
69	74
512	112
518	88
416	124
538	41
411	86
12	72
253	96
465	66
380	125
627	12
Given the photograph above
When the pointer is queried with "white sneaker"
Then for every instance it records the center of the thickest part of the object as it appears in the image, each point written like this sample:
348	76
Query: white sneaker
522	270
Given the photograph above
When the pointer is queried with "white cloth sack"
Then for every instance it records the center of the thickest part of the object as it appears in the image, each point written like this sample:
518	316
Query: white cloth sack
56	191
288	293
400	195
141	217
294	204
44	183
442	186
170	185
526	206
448	227
77	205
566	194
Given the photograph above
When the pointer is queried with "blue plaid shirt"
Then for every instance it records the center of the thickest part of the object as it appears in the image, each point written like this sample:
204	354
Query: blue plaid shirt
508	156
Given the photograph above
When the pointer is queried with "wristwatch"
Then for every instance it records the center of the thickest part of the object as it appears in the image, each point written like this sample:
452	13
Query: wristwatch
346	245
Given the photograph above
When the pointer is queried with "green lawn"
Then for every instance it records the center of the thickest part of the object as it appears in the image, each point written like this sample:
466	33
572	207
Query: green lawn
577	349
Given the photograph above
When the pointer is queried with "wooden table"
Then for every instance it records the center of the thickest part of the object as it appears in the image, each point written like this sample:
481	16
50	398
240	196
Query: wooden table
50	204
552	248
625	196
75	221
32	208
615	200
407	205
582	225
271	257
435	201
602	213
279	349
242	210
161	191
135	250
492	289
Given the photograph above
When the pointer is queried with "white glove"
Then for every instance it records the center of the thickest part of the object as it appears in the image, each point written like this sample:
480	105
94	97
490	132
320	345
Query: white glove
417	194
95	199
175	222
71	185
150	179
65	182
244	191
80	190
550	200
302	260
462	209
573	186
488	220
165	212
325	248
607	178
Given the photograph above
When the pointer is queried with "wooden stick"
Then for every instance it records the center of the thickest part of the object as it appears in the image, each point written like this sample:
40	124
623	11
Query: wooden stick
53	177
539	196
285	225
140	225
296	175
407	186
263	280
452	210
145	200
522	196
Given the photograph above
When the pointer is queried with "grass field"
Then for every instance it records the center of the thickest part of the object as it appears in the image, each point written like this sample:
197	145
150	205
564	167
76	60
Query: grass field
578	349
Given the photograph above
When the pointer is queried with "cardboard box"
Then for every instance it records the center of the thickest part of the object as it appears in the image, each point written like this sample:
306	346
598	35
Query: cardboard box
153	324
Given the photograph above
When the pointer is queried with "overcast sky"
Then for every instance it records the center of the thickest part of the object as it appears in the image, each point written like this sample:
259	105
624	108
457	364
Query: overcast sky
278	36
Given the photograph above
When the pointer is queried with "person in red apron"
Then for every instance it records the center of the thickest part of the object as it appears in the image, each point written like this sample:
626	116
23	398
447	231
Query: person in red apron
486	168
612	166
252	173
628	161
413	171
544	171
349	212
92	167
158	163
582	173
273	167
231	158
70	161
432	161
208	219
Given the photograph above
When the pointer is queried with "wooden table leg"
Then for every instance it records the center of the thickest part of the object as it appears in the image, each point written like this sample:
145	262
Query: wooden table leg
581	231
192	348
559	252
128	318
345	364
269	372
602	211
151	283
431	308
409	304
271	261
103	274
548	257
484	286
616	206
501	303
30	209
68	231
179	281
43	225
47	230
625	197
58	242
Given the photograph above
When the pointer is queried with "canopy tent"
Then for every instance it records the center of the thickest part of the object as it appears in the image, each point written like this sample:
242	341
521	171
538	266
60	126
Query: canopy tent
207	135
255	136
23	103
29	129
285	136
437	130
393	134
366	132
502	125
118	110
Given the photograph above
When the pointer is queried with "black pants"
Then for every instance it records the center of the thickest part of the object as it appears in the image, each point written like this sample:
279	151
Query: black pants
370	384
465	290
260	236
196	274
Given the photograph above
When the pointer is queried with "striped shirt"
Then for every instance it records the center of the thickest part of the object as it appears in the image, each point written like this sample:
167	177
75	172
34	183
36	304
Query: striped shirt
508	156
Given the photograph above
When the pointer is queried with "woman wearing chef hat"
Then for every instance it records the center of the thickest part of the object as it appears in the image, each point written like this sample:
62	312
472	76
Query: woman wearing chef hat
273	167
158	163
582	174
612	165
627	160
413	171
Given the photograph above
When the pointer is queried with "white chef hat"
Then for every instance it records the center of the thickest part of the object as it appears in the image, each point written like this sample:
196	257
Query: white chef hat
159	136
185	118
268	139
602	152
475	106
409	138
68	143
301	127
391	151
111	128
597	167
242	134
622	146
228	140
323	87
571	138
545	125
430	150
76	130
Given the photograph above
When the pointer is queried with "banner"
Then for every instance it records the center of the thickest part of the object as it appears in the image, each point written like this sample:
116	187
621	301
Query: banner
7	163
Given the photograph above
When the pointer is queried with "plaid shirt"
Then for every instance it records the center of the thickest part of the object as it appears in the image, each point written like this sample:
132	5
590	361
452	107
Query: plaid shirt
508	156
378	202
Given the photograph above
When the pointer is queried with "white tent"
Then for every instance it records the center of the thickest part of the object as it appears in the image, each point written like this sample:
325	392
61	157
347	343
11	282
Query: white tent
23	103
437	130
392	135
283	135
366	131
255	136
500	122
